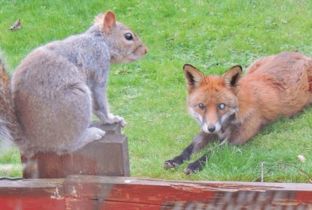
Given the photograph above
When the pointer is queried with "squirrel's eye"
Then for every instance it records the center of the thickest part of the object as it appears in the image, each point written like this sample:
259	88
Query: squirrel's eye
128	36
221	106
201	106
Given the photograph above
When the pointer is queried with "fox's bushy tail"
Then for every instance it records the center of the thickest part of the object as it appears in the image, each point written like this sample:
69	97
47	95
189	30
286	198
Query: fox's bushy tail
9	127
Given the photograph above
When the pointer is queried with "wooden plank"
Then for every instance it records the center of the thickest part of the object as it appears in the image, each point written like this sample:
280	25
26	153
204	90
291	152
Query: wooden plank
107	157
30	202
97	192
112	205
32	194
183	195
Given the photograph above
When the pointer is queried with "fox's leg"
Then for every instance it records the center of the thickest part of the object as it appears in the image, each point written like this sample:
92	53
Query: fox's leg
178	160
246	130
200	141
238	136
197	165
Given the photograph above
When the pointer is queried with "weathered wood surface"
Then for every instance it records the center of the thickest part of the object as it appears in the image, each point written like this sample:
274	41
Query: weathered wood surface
31	194
94	192
106	157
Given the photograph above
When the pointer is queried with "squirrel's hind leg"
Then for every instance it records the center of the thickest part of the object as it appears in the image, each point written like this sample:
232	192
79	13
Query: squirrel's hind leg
91	134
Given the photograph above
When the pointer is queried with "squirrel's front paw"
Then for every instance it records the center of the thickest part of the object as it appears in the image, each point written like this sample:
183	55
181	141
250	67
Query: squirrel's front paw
116	119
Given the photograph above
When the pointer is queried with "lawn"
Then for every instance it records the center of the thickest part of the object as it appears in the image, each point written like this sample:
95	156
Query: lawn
150	94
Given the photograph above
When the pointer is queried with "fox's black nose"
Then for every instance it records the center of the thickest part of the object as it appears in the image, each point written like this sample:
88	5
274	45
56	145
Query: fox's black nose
211	128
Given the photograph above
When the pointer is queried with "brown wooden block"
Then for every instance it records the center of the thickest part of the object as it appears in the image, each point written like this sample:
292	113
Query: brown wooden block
108	156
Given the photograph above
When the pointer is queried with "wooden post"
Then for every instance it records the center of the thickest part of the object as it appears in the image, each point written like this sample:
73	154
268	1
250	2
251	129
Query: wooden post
108	156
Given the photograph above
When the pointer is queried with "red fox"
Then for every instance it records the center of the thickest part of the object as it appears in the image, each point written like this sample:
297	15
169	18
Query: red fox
234	108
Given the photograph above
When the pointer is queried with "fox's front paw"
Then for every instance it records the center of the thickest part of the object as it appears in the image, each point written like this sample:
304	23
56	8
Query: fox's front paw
170	164
173	163
193	168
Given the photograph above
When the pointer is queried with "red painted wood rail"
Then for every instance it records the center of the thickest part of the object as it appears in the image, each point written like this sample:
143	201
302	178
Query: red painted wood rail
95	192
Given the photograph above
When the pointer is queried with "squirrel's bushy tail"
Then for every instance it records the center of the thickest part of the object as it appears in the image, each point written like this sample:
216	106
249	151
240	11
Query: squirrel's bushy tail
9	127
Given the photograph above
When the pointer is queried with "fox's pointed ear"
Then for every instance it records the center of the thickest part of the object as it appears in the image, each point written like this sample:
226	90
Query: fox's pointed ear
193	76
232	76
109	21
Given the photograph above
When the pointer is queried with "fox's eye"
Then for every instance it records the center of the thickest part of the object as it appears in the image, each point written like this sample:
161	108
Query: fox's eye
128	36
221	106
201	106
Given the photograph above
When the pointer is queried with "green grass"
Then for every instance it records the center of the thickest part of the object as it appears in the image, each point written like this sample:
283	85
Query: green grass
212	35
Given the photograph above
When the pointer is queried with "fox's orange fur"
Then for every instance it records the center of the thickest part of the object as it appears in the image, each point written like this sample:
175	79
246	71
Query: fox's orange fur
274	86
234	108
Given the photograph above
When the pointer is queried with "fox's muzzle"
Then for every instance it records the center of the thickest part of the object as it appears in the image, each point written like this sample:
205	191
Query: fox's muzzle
211	127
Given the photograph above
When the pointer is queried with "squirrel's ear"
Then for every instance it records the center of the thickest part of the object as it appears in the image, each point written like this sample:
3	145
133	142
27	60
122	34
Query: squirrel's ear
109	21
193	76
232	76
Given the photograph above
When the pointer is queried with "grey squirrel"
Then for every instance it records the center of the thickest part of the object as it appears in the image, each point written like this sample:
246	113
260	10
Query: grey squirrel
49	103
